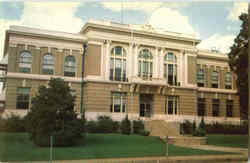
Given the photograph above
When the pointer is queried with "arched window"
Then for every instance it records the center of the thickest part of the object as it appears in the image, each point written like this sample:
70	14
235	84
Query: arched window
145	64
215	79
118	64
228	80
25	61
170	68
48	64
69	66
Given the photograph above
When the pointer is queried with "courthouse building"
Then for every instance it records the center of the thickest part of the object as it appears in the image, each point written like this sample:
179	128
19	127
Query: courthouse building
133	70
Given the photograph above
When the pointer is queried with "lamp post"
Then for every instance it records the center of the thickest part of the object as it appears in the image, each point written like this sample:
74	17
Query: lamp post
82	111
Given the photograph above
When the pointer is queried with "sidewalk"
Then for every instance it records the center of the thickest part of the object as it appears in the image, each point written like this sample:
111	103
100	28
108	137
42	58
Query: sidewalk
241	157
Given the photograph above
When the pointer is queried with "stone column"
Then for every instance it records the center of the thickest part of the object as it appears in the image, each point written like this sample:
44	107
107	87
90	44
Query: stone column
130	62
161	62
107	58
155	63
181	68
135	67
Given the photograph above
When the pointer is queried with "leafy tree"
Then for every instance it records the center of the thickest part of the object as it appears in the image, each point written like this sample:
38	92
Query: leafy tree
238	61
52	113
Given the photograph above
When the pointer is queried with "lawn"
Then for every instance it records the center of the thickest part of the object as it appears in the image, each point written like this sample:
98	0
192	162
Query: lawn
240	141
18	147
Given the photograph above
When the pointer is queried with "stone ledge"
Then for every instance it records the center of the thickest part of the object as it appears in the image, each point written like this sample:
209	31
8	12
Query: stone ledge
185	141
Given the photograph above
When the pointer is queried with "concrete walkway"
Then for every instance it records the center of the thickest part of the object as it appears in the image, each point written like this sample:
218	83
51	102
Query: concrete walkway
241	157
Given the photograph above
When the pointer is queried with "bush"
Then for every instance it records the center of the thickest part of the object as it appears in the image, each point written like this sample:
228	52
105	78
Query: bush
126	126
138	125
92	127
143	132
186	127
105	124
13	123
193	127
219	128
199	132
202	124
115	127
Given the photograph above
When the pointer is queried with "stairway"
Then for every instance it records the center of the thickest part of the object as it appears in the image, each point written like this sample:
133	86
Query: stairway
162	128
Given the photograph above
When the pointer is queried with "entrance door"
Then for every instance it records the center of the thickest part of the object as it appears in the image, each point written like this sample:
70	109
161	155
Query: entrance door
146	101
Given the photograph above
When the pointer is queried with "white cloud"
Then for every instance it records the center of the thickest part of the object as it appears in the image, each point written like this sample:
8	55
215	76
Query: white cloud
238	8
219	42
171	20
53	16
147	7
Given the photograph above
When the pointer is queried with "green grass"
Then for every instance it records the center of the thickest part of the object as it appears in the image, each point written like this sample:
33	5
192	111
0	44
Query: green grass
240	141
17	147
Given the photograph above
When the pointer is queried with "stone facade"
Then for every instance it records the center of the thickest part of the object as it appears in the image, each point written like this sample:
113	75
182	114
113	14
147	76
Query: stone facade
143	96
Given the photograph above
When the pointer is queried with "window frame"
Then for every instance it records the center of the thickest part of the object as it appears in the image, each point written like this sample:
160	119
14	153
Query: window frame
200	78
23	102
201	106
215	107
228	83
122	96
68	66
214	83
229	108
145	64
114	58
175	105
48	64
23	62
167	63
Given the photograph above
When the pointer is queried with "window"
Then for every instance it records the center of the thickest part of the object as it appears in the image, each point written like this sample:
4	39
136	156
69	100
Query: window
145	64
118	64
214	79
171	106
229	108
170	68
22	101
228	81
48	64
216	107
200	77
25	61
118	102
201	106
70	66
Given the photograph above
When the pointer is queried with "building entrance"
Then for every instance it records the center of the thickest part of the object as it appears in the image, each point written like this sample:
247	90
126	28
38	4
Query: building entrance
146	101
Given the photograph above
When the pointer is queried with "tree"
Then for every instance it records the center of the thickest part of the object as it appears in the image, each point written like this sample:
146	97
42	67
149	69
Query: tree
238	61
52	113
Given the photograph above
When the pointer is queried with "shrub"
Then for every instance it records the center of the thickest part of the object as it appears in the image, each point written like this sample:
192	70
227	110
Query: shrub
104	124
186	127
193	127
138	125
115	127
125	126
219	128
202	123
144	132
12	123
92	127
199	132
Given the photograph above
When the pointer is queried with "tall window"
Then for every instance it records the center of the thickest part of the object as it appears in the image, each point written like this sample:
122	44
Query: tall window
48	64
23	96
25	61
118	102
201	106
215	107
171	106
170	68
200	77
145	64
228	81
229	108
69	66
118	64
214	79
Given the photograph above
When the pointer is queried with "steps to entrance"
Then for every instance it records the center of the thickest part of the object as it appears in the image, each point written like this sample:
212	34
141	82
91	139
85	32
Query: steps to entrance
162	128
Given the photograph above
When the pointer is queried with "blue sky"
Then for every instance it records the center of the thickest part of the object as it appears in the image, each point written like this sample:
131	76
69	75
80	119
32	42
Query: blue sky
216	23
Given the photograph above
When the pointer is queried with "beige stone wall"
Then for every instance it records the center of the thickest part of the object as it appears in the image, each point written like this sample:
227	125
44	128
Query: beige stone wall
13	84
93	60
192	70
